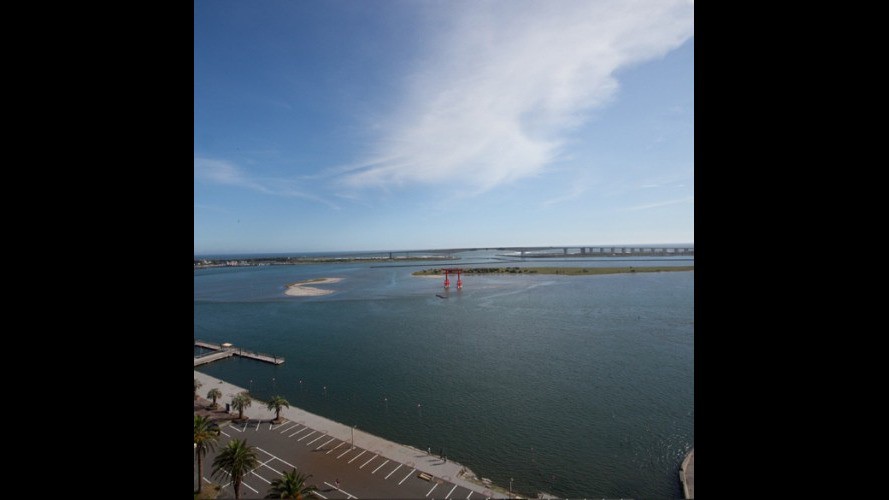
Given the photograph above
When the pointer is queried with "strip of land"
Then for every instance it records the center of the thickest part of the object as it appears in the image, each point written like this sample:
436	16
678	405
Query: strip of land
687	474
299	288
287	261
567	271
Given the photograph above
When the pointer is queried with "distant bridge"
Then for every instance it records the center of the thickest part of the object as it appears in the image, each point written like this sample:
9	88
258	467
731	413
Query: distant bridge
603	251
573	251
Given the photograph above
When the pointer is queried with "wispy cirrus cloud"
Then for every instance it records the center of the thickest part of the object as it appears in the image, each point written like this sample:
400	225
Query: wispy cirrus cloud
659	204
503	86
223	172
212	208
226	173
579	185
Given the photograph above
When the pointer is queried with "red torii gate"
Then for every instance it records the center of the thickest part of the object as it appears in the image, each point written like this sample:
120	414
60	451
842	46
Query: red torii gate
452	270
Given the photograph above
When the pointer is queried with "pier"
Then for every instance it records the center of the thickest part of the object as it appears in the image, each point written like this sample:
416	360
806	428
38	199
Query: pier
227	350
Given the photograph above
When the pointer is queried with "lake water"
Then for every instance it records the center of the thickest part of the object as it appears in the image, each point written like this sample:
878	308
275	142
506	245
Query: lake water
573	385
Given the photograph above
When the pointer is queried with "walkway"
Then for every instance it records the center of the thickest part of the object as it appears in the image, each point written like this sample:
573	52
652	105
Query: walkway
227	350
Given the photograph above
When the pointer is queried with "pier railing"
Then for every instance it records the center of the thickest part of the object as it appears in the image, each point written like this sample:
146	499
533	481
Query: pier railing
239	351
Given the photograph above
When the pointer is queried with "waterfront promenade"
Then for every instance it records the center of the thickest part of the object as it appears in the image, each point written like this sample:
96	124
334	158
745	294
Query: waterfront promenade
367	472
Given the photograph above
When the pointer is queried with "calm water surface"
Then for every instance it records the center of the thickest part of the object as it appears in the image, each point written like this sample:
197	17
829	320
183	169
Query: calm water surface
573	385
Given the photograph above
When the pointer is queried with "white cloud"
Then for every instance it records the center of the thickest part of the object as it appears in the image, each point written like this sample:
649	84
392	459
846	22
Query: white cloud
223	172
578	186
679	201
227	173
502	87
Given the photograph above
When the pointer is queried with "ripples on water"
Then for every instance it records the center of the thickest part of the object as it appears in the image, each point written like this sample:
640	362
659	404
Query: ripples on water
574	385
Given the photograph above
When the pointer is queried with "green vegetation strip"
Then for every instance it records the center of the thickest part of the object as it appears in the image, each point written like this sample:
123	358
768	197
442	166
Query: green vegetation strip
567	271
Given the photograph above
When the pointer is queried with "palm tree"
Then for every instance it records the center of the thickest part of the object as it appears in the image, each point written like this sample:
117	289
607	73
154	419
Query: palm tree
213	394
240	402
235	460
197	385
291	485
205	435
276	404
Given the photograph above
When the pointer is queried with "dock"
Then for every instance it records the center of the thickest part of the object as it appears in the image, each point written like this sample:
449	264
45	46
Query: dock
225	351
687	474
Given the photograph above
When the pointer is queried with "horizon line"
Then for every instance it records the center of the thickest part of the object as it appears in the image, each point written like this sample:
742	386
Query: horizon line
455	249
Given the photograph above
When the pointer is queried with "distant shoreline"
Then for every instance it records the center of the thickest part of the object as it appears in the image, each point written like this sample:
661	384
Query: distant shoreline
299	288
564	271
293	261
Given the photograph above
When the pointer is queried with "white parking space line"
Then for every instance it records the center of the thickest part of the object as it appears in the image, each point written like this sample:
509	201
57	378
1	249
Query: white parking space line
324	444
232	427
260	477
223	433
304	429
335	447
449	493
205	479
319	495
469	495
381	465
393	470
369	461
343	453
316	439
344	491
276	471
294	424
358	455
245	426
257	425
263	464
276	458
307	435
407	476
242	482
433	487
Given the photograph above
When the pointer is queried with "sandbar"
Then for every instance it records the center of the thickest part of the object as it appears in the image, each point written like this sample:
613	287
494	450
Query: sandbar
301	288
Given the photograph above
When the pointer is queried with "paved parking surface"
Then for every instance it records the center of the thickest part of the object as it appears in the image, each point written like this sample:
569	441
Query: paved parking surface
360	473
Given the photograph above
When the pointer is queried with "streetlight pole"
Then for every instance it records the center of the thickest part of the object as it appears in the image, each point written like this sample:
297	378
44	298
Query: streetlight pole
510	487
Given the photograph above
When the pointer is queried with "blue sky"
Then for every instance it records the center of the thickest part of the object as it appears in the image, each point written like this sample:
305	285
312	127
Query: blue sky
385	125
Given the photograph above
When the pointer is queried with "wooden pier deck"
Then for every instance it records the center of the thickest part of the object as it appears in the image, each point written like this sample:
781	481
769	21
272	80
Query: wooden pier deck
224	352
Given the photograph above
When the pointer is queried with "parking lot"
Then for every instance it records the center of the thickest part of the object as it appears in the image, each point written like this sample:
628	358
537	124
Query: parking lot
360	473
